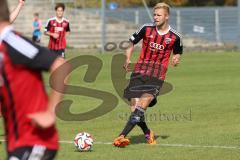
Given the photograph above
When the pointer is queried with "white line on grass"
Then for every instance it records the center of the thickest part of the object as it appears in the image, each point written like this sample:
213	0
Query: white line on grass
166	145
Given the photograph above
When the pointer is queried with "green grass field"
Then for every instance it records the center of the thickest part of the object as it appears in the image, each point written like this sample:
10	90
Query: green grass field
206	92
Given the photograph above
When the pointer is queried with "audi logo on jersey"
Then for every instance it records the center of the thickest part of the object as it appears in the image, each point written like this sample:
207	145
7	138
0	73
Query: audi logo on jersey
156	46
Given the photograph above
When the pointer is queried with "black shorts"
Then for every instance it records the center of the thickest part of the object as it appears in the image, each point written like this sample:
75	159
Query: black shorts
60	52
29	153
140	85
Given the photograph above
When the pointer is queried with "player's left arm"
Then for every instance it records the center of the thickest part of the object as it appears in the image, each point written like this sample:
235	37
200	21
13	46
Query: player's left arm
177	51
16	11
68	30
47	118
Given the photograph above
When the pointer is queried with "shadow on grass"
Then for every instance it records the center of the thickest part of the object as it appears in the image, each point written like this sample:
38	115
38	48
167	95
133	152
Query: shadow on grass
141	139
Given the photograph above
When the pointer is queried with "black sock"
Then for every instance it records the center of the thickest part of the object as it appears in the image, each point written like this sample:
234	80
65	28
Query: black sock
144	127
142	124
134	119
129	126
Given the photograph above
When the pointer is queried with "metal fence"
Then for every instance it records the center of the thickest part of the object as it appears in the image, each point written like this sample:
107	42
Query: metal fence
213	24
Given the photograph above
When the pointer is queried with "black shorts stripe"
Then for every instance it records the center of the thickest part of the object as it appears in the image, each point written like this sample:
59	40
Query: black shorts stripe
12	109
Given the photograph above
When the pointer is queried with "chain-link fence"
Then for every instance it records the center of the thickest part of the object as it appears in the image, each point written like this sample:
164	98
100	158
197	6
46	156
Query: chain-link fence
212	24
200	26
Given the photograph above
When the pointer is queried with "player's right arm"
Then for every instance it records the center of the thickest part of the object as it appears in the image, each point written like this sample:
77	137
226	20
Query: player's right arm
135	38
54	35
129	52
48	33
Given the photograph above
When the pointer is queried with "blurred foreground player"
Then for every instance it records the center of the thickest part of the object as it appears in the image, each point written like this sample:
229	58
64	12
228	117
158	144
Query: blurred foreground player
13	16
29	114
159	40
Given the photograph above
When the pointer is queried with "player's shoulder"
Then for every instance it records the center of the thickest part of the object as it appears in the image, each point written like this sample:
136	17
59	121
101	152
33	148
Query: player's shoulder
148	25
10	35
65	20
17	43
175	32
144	26
51	19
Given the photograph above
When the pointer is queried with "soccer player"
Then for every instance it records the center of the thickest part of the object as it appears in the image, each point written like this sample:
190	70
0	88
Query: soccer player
16	11
29	114
57	28
13	16
37	25
158	41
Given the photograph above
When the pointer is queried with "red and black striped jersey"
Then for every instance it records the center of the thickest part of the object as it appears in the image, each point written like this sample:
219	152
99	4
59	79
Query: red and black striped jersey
22	90
60	27
156	50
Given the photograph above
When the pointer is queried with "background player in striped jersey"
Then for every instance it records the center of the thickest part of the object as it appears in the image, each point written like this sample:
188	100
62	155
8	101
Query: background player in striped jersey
29	114
57	29
158	41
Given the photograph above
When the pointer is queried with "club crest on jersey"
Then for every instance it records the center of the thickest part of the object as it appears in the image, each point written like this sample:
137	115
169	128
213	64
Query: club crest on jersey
168	40
64	24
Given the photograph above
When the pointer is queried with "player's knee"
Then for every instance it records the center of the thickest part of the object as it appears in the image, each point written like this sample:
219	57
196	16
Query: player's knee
147	97
132	108
145	100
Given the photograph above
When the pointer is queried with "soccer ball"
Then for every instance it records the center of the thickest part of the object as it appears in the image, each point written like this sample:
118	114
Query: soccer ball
83	142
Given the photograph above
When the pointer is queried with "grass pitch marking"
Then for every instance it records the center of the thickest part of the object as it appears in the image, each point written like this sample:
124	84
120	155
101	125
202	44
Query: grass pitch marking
167	145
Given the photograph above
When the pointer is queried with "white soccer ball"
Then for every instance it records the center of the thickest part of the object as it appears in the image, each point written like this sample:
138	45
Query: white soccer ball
83	142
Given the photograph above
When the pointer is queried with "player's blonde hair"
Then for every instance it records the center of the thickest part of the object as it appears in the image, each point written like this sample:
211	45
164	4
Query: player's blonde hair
162	5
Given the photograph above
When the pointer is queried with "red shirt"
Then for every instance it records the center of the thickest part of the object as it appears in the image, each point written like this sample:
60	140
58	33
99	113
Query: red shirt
156	50
60	27
22	91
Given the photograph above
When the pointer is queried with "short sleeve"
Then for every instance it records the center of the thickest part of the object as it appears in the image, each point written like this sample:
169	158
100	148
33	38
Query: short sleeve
178	46
24	52
68	28
138	35
48	26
